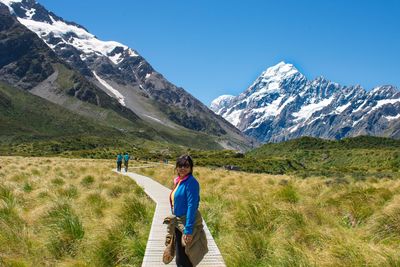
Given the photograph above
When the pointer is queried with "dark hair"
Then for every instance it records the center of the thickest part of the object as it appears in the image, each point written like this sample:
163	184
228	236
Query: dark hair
184	159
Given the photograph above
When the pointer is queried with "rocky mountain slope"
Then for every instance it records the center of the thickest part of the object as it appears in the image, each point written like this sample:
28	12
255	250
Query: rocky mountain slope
282	104
102	73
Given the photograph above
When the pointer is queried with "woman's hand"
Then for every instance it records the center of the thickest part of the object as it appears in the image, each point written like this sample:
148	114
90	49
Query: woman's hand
188	238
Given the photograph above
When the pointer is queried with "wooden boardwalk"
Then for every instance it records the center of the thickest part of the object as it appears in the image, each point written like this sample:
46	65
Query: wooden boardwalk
156	242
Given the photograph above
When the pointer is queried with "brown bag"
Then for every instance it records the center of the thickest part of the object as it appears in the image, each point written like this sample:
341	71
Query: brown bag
169	251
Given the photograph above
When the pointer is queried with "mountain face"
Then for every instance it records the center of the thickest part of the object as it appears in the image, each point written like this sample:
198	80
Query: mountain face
27	62
282	104
122	74
24	60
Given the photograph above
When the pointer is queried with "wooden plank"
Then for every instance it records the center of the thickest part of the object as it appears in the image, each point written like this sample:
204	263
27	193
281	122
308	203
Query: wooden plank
155	244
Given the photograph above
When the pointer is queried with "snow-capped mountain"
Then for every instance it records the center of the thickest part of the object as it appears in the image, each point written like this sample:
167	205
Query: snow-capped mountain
122	74
282	104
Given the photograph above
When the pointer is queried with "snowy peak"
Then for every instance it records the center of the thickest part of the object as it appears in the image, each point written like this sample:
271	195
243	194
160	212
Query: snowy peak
59	34
384	91
282	104
118	73
274	80
280	71
218	104
9	3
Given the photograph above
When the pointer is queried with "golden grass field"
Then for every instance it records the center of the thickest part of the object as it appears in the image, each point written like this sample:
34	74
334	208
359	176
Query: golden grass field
77	212
267	220
70	212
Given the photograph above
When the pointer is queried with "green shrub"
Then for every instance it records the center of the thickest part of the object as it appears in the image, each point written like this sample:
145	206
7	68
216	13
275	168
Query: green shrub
115	191
118	250
8	201
348	254
288	193
66	230
10	222
70	192
87	181
13	263
57	181
387	225
27	187
97	202
35	172
133	214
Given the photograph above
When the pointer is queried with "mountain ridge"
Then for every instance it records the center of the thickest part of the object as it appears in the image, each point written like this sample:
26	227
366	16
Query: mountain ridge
281	104
123	75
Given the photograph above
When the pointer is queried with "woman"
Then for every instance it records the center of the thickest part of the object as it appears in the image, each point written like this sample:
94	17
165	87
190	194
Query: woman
184	199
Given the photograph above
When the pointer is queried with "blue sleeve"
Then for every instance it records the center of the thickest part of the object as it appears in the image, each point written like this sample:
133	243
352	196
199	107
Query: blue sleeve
193	199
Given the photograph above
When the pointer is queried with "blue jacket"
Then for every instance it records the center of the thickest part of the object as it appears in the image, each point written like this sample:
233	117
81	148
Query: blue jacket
119	158
126	157
186	202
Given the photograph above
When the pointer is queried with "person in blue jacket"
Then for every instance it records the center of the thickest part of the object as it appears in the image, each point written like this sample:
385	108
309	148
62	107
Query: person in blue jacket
119	161
184	199
126	161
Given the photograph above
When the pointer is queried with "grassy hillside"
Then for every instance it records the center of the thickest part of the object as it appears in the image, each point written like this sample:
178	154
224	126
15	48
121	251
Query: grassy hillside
281	220
70	212
25	115
31	125
357	157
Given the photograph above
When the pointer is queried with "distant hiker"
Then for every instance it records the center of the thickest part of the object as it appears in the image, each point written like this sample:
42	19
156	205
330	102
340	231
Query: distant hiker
186	238
119	162
126	161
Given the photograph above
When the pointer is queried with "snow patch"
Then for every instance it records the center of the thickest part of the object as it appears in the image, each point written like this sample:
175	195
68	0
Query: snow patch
132	53
153	118
8	3
357	121
30	13
391	118
360	107
376	89
219	103
290	99
271	86
234	117
265	112
221	99
115	92
270	80
383	102
83	41
280	71
343	108
116	59
294	128
306	111
82	56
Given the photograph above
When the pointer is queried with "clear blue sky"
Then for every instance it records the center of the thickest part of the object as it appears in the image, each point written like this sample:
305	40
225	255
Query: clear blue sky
215	47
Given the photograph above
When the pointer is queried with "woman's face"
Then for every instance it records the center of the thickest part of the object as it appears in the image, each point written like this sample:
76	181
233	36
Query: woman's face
184	169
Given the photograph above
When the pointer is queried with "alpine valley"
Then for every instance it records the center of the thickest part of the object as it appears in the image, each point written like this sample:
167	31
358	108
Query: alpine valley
282	104
104	87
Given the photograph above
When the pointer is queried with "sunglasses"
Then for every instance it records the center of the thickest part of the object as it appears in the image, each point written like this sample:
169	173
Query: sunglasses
184	166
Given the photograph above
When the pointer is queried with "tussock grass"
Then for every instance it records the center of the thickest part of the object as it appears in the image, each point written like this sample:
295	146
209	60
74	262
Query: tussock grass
70	212
87	180
66	230
386	225
281	220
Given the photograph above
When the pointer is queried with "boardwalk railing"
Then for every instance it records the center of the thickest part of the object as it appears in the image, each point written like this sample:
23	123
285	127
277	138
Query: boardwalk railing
156	242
